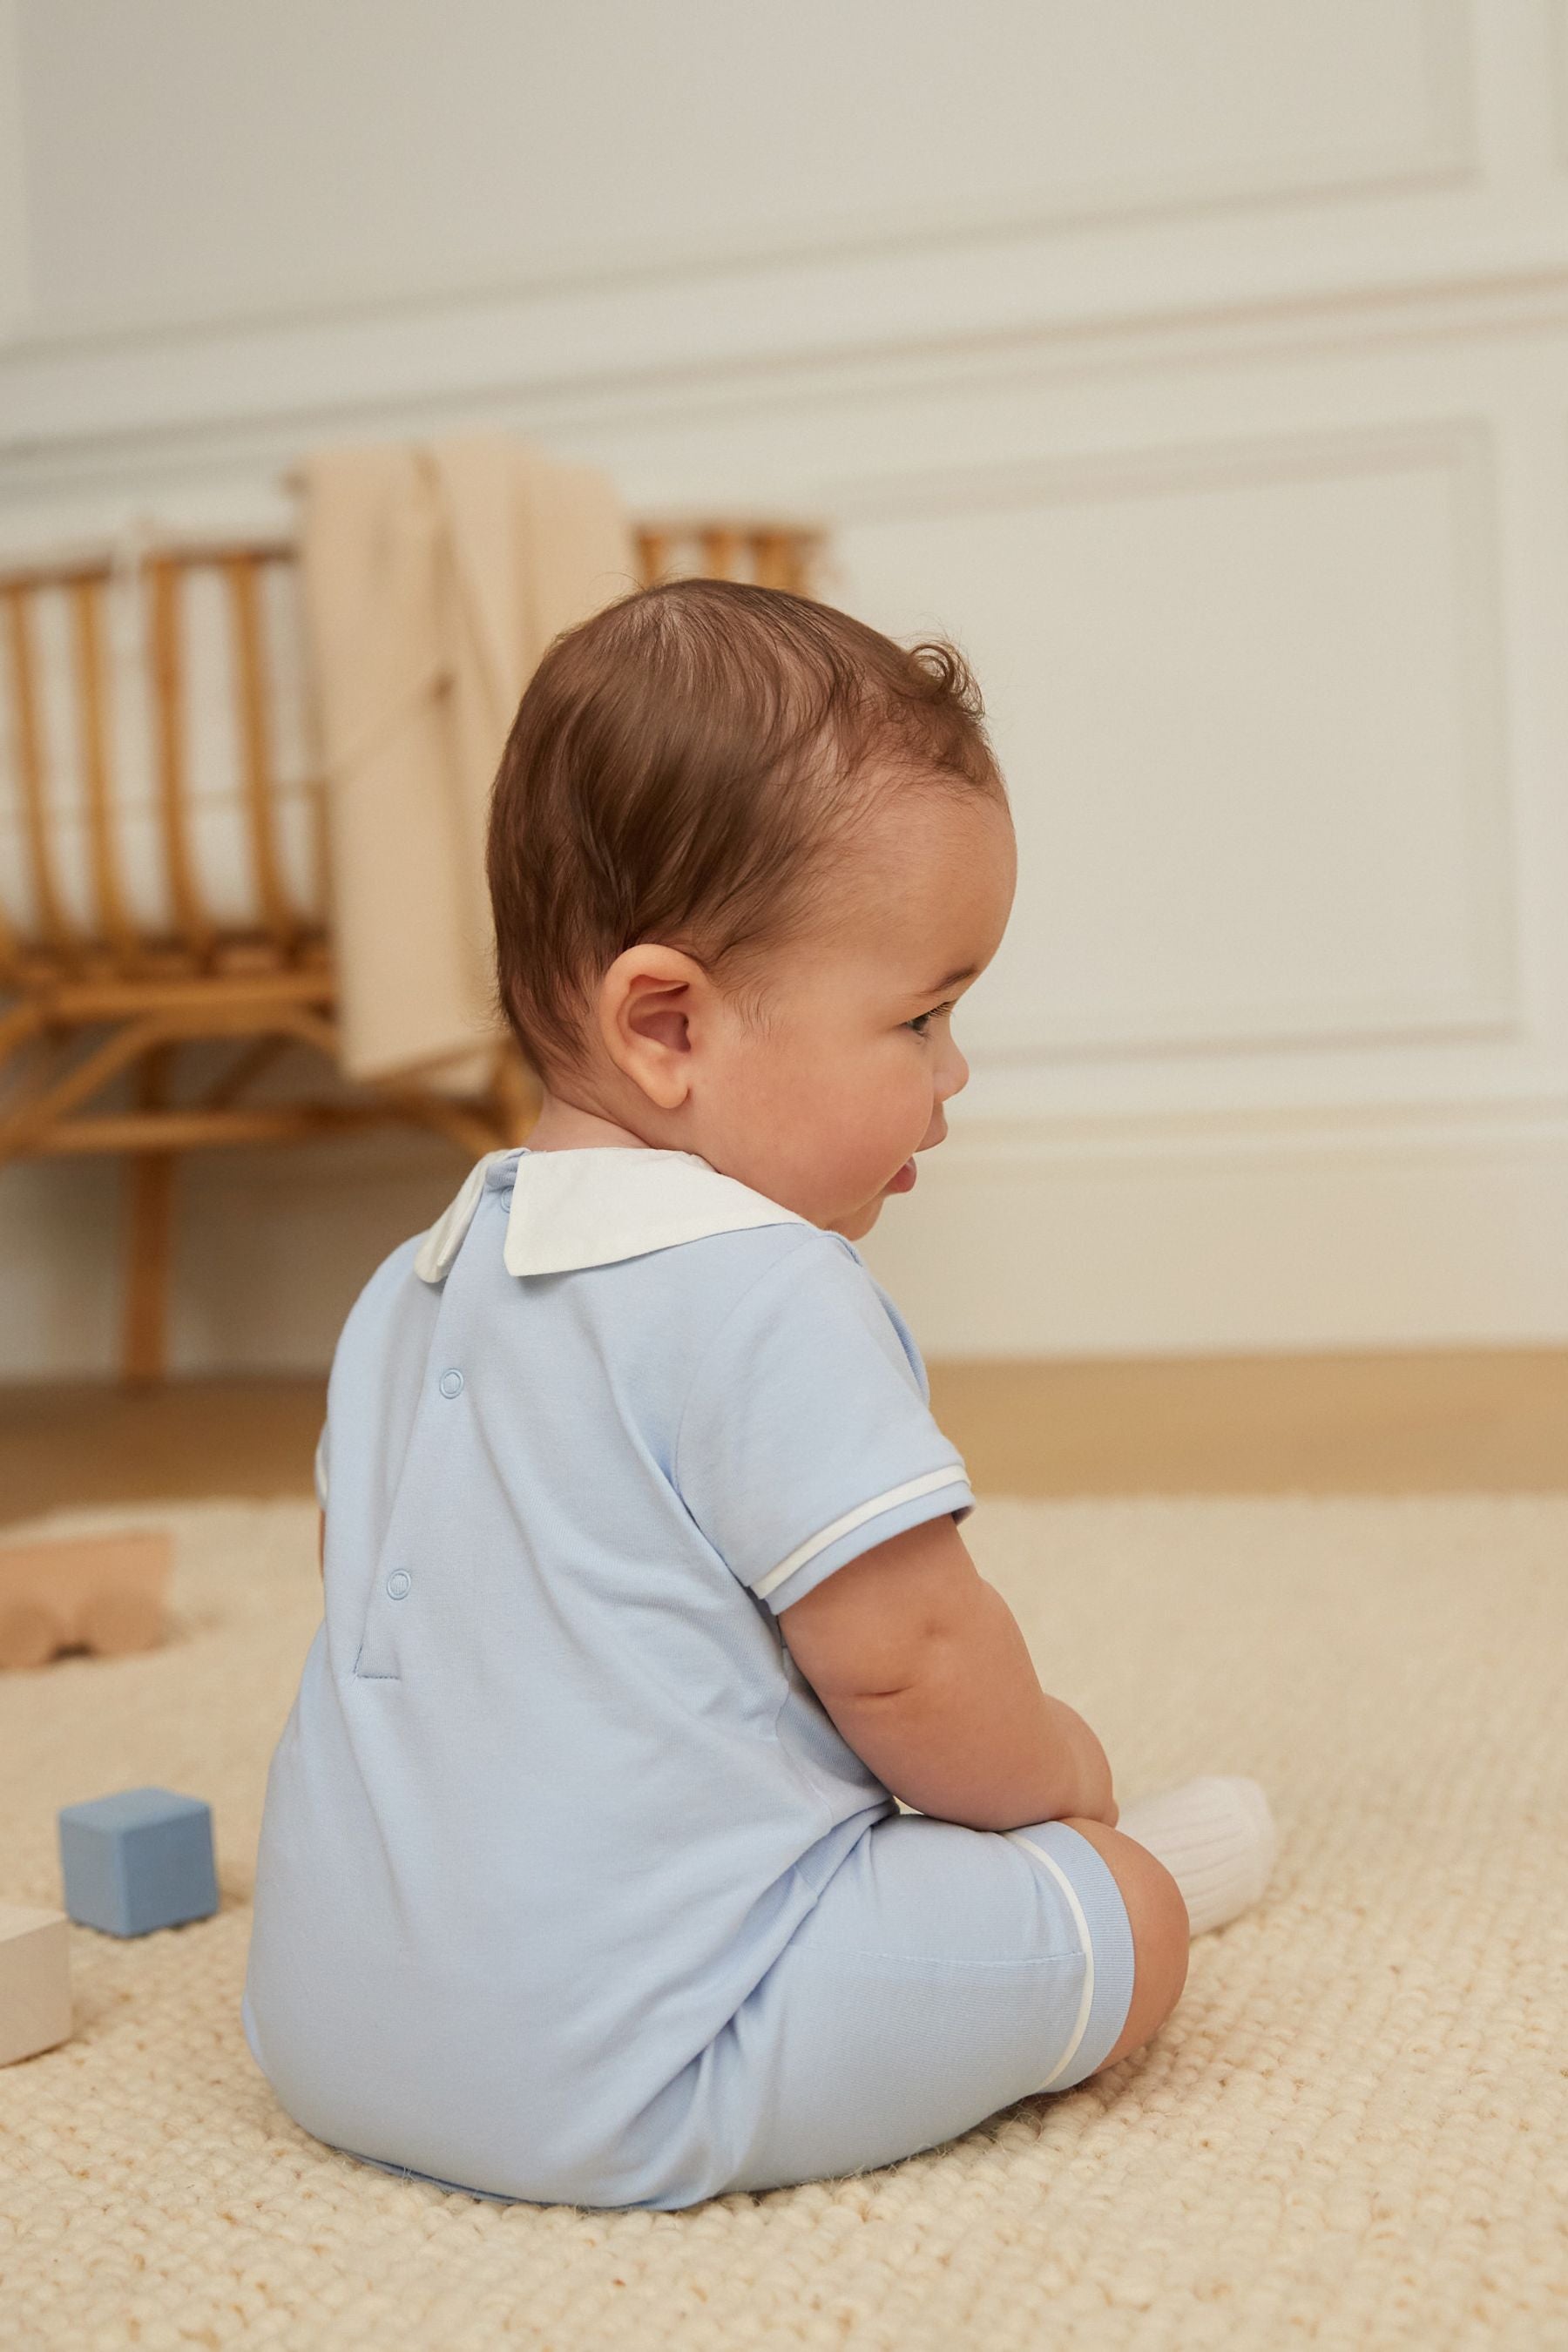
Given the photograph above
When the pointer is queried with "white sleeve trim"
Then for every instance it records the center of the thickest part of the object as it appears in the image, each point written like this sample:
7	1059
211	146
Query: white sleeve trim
951	1474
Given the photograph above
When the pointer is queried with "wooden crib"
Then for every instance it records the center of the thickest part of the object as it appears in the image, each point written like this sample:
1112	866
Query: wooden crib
148	904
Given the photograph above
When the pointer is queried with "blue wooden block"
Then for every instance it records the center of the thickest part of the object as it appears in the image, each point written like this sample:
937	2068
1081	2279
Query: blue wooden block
139	1859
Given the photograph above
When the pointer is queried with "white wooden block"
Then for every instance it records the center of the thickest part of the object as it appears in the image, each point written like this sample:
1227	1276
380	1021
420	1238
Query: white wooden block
35	1980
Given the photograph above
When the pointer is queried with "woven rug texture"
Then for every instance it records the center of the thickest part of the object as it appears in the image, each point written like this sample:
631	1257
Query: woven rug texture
1353	2132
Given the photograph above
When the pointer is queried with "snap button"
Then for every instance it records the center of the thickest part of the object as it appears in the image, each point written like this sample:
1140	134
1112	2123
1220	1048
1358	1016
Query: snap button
399	1584
451	1384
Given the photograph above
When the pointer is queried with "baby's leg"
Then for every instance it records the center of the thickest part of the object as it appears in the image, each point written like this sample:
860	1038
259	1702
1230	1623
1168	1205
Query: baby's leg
1161	1937
945	1973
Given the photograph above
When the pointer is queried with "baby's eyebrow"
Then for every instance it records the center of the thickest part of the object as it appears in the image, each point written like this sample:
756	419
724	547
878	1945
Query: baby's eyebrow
940	987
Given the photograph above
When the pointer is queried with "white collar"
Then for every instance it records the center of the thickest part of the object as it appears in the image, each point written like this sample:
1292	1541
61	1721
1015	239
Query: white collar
596	1205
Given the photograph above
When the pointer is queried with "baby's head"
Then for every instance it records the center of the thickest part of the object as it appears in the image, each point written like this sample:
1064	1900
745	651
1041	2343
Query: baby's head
745	854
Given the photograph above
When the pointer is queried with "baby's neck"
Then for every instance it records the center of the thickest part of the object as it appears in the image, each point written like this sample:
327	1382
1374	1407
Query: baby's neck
564	1127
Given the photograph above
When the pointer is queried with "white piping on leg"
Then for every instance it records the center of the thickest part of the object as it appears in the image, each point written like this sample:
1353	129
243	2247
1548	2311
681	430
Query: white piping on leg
1086	2002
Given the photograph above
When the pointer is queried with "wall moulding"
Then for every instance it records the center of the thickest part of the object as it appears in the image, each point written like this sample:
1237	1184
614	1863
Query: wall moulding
1322	1132
1461	445
115	410
1162	1254
1319	145
1478	998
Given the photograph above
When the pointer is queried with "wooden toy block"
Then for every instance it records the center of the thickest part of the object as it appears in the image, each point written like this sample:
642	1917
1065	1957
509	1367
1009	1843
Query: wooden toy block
35	1980
139	1860
89	1592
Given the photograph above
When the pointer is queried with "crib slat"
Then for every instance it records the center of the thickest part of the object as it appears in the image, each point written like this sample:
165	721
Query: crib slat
653	556
10	965
10	954
92	692
240	572
313	943
163	576
10	946
777	557
721	552
151	1234
30	770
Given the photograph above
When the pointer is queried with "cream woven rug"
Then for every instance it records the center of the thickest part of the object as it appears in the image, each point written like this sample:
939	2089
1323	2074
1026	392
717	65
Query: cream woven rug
1354	2132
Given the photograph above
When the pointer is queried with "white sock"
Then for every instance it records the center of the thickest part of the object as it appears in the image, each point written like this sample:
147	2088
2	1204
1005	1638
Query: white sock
1216	1837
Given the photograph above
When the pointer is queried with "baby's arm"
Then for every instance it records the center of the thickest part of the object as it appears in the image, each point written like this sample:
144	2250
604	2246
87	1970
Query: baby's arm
923	1667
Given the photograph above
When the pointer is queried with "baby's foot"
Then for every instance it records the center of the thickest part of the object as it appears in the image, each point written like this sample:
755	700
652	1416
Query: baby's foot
1216	1837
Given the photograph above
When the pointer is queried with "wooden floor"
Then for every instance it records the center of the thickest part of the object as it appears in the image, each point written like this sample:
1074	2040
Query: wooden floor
1494	1419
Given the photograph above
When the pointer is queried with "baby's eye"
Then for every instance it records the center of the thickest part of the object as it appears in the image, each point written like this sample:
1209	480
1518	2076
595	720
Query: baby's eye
922	1021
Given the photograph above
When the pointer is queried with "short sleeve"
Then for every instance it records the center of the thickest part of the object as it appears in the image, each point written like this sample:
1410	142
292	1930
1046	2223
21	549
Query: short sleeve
805	1438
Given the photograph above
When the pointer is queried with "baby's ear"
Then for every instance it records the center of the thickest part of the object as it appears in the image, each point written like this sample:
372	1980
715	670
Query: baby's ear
645	1004
658	1014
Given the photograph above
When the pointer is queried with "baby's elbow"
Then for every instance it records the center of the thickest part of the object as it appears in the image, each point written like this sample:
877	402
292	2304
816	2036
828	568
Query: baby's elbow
928	1656
931	1666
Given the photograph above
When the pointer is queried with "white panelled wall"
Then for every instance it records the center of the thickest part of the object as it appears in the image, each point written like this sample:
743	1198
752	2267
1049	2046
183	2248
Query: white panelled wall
1203	368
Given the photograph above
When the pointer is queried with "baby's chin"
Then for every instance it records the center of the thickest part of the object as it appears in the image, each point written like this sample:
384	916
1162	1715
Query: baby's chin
857	1222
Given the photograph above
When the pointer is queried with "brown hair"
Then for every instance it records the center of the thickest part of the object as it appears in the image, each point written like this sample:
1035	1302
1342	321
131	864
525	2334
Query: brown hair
679	770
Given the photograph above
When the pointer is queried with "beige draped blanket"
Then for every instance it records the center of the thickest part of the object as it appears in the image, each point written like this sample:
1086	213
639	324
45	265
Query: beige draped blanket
434	576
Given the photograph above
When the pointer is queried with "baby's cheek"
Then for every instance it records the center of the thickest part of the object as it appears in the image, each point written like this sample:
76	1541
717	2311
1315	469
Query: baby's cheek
863	1114
874	1121
907	1096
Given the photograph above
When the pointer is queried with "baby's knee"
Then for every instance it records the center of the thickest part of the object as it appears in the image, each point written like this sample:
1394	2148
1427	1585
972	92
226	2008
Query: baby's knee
1162	1933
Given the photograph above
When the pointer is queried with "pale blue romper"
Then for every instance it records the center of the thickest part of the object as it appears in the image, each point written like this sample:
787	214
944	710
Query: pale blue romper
568	1889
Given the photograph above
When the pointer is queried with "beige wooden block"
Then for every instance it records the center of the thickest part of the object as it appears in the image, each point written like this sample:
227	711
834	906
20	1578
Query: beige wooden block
35	1980
90	1592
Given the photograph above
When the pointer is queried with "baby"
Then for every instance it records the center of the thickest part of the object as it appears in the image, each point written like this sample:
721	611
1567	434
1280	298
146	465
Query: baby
582	1878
